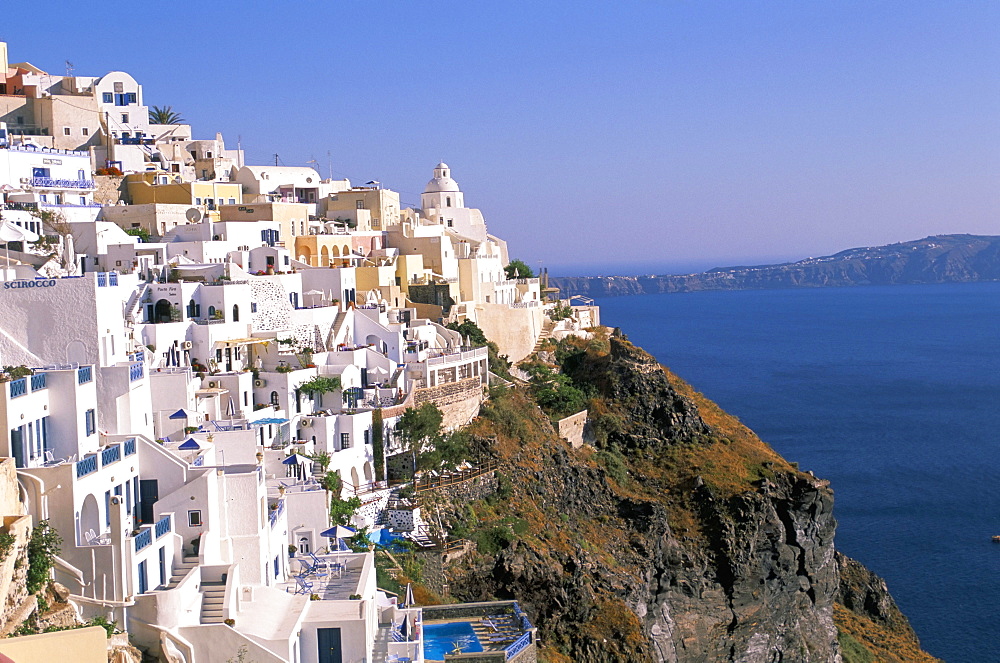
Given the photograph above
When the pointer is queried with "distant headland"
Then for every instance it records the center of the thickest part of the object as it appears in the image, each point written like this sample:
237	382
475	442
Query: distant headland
935	259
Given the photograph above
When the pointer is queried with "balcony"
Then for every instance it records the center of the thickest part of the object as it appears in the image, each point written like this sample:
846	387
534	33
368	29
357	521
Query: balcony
276	512
18	387
129	446
111	455
162	526
106	279
135	372
84	374
52	183
38	381
143	539
86	466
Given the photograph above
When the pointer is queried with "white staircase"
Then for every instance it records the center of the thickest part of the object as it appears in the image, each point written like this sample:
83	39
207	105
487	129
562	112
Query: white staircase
212	596
181	570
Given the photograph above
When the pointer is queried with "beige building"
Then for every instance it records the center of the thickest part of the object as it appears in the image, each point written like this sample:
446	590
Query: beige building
159	187
292	218
382	206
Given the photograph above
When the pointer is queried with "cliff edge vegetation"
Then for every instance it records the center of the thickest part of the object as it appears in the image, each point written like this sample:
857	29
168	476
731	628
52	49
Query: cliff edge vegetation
674	535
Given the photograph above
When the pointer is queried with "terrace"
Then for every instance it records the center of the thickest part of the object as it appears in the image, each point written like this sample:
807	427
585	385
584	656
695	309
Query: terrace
490	631
331	577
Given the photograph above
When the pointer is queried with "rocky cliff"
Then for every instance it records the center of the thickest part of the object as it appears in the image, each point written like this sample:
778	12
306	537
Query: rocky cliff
679	536
937	259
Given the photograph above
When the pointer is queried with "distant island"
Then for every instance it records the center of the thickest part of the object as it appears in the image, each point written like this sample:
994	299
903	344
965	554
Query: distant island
935	259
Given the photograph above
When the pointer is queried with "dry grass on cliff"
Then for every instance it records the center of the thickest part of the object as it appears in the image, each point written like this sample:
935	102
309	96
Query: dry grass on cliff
886	646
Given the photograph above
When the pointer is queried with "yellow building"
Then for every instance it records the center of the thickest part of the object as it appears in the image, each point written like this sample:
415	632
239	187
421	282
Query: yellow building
324	250
382	206
160	187
292	218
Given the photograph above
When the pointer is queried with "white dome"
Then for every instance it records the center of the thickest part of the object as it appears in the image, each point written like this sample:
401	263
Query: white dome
441	182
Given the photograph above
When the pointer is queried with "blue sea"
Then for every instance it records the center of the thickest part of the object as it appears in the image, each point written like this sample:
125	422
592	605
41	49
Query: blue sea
892	393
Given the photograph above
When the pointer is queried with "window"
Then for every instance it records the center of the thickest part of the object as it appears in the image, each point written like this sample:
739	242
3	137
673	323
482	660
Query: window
204	174
85	131
67	131
108	98
253	307
232	201
81	174
236	317
44	198
20	119
90	421
131	98
447	201
197	201
194	519
345	440
360	204
58	199
286	261
124	118
450	222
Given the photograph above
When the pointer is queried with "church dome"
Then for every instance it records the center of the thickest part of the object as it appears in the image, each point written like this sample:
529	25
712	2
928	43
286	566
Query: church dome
442	182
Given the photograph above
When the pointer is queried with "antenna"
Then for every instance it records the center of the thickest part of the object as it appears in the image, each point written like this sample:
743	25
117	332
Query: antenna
329	160
69	68
275	159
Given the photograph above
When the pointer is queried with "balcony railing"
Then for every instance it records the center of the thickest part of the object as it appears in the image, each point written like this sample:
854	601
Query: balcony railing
51	183
129	446
20	207
86	466
162	526
111	455
135	372
143	539
84	374
38	381
276	513
18	387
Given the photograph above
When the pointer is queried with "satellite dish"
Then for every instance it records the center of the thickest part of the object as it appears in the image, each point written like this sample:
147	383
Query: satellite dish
193	215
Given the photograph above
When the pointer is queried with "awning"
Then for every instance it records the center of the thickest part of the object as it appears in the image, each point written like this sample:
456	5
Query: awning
190	444
232	342
183	414
268	420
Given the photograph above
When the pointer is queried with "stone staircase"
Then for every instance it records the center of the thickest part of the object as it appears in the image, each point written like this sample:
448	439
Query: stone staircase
181	570
212	596
546	334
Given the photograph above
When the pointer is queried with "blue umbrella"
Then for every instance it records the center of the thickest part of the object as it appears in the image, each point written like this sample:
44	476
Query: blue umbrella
183	414
339	532
295	459
189	444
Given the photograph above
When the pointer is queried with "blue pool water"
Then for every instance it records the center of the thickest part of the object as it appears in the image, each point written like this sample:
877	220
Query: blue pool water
441	639
383	537
889	392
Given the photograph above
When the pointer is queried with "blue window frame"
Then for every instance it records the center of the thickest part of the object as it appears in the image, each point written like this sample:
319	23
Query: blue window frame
108	98
90	421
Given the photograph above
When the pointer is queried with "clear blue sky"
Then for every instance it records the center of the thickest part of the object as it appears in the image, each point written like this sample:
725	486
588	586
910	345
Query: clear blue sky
596	137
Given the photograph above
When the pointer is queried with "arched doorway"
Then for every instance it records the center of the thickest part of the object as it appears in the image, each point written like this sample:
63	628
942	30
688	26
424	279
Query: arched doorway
355	480
369	474
324	256
161	311
90	518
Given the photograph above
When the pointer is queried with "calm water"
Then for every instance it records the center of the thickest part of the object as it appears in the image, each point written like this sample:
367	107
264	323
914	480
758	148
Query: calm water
889	392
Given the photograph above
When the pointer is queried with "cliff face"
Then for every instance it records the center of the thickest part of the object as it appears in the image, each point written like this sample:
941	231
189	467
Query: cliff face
678	540
682	537
937	259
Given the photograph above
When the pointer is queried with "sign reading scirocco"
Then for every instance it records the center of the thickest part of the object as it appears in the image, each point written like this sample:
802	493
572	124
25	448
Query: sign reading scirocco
46	283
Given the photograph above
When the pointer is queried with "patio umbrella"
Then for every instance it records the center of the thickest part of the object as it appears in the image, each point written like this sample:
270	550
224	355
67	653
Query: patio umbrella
189	444
10	232
338	532
295	459
408	601
183	413
231	410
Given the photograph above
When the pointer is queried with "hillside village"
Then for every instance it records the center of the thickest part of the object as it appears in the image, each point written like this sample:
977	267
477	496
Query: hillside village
215	376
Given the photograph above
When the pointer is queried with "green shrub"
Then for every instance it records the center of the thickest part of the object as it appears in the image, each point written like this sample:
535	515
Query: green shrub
42	549
852	650
613	463
492	540
7	542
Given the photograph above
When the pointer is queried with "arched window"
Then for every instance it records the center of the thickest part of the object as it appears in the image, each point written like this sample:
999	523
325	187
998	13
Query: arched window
211	311
274	398
304	545
192	309
236	313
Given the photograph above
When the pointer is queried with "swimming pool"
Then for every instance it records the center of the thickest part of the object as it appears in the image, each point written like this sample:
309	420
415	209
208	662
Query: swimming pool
384	537
441	639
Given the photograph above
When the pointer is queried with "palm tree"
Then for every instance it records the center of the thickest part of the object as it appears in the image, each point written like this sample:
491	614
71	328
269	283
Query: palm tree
164	115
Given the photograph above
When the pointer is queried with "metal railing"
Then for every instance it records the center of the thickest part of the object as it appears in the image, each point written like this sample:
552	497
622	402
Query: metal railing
84	374
18	387
478	353
135	372
143	539
129	445
86	466
162	526
111	455
52	183
276	513
38	381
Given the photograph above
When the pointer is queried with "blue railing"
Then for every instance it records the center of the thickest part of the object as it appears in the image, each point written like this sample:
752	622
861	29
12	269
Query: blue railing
199	461
138	355
276	513
129	446
135	372
84	375
18	387
102	279
517	646
111	455
112	278
50	183
143	538
38	381
162	526
86	466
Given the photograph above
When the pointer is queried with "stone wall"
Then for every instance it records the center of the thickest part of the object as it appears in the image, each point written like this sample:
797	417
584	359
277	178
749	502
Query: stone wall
110	189
458	401
571	428
514	330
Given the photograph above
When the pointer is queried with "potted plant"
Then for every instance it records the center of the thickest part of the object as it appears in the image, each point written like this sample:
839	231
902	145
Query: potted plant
292	549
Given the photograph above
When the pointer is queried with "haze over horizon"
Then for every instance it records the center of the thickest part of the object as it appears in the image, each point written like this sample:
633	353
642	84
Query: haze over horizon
665	136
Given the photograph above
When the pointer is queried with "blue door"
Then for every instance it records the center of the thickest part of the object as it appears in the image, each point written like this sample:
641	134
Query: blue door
329	645
143	580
